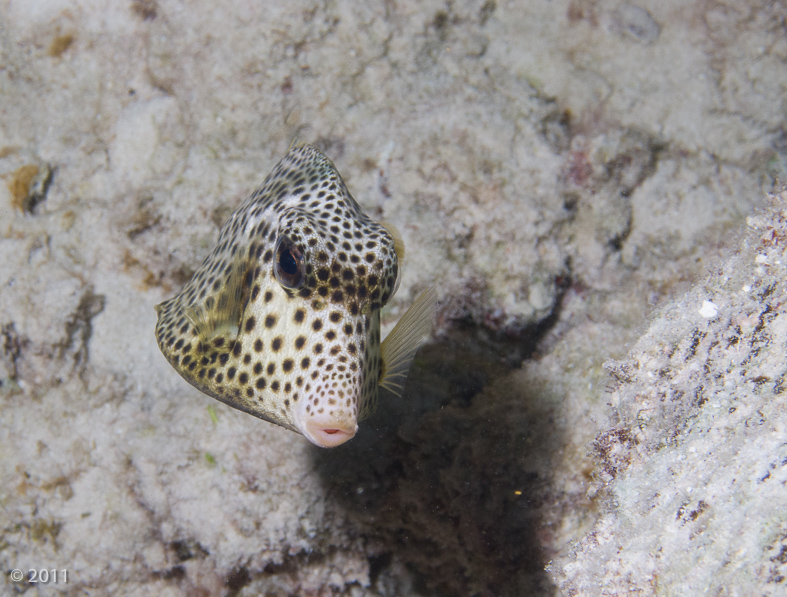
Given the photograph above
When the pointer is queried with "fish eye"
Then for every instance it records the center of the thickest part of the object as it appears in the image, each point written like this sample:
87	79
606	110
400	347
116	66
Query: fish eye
288	267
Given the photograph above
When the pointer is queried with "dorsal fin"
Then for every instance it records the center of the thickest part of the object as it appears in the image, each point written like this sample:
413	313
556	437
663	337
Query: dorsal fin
398	242
399	347
295	144
398	249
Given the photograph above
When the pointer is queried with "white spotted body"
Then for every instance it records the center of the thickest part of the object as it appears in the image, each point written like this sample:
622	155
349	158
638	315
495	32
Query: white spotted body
282	319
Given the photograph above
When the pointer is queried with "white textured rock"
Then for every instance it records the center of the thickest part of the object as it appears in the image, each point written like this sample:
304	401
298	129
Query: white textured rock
695	464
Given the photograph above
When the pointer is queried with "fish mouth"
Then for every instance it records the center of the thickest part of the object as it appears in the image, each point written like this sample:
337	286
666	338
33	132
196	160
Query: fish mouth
329	434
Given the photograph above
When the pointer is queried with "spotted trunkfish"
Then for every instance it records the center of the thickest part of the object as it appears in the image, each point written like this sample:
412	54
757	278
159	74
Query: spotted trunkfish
282	319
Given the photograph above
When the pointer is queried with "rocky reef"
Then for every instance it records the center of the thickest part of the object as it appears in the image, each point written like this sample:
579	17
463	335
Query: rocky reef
600	410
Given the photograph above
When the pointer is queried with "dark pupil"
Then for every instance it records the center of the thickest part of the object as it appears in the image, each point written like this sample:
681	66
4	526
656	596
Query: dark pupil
287	263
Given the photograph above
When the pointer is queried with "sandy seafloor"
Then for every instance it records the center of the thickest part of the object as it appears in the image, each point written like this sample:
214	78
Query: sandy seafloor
584	181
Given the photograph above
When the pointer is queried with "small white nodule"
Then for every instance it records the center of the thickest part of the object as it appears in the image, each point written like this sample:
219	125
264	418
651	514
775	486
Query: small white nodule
708	310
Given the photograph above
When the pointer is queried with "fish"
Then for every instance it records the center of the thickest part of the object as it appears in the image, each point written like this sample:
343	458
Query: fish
282	318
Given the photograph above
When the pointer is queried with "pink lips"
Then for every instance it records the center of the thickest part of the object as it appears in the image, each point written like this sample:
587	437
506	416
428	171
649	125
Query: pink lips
329	437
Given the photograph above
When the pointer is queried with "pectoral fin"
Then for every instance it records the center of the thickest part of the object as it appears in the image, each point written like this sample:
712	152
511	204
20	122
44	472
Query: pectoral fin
399	347
221	316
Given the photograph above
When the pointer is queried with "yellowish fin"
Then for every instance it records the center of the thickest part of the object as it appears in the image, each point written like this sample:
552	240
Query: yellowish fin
398	242
296	143
398	249
399	347
224	316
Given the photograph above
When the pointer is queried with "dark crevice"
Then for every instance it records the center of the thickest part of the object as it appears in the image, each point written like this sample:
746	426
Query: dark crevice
12	349
39	188
79	329
616	242
236	580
